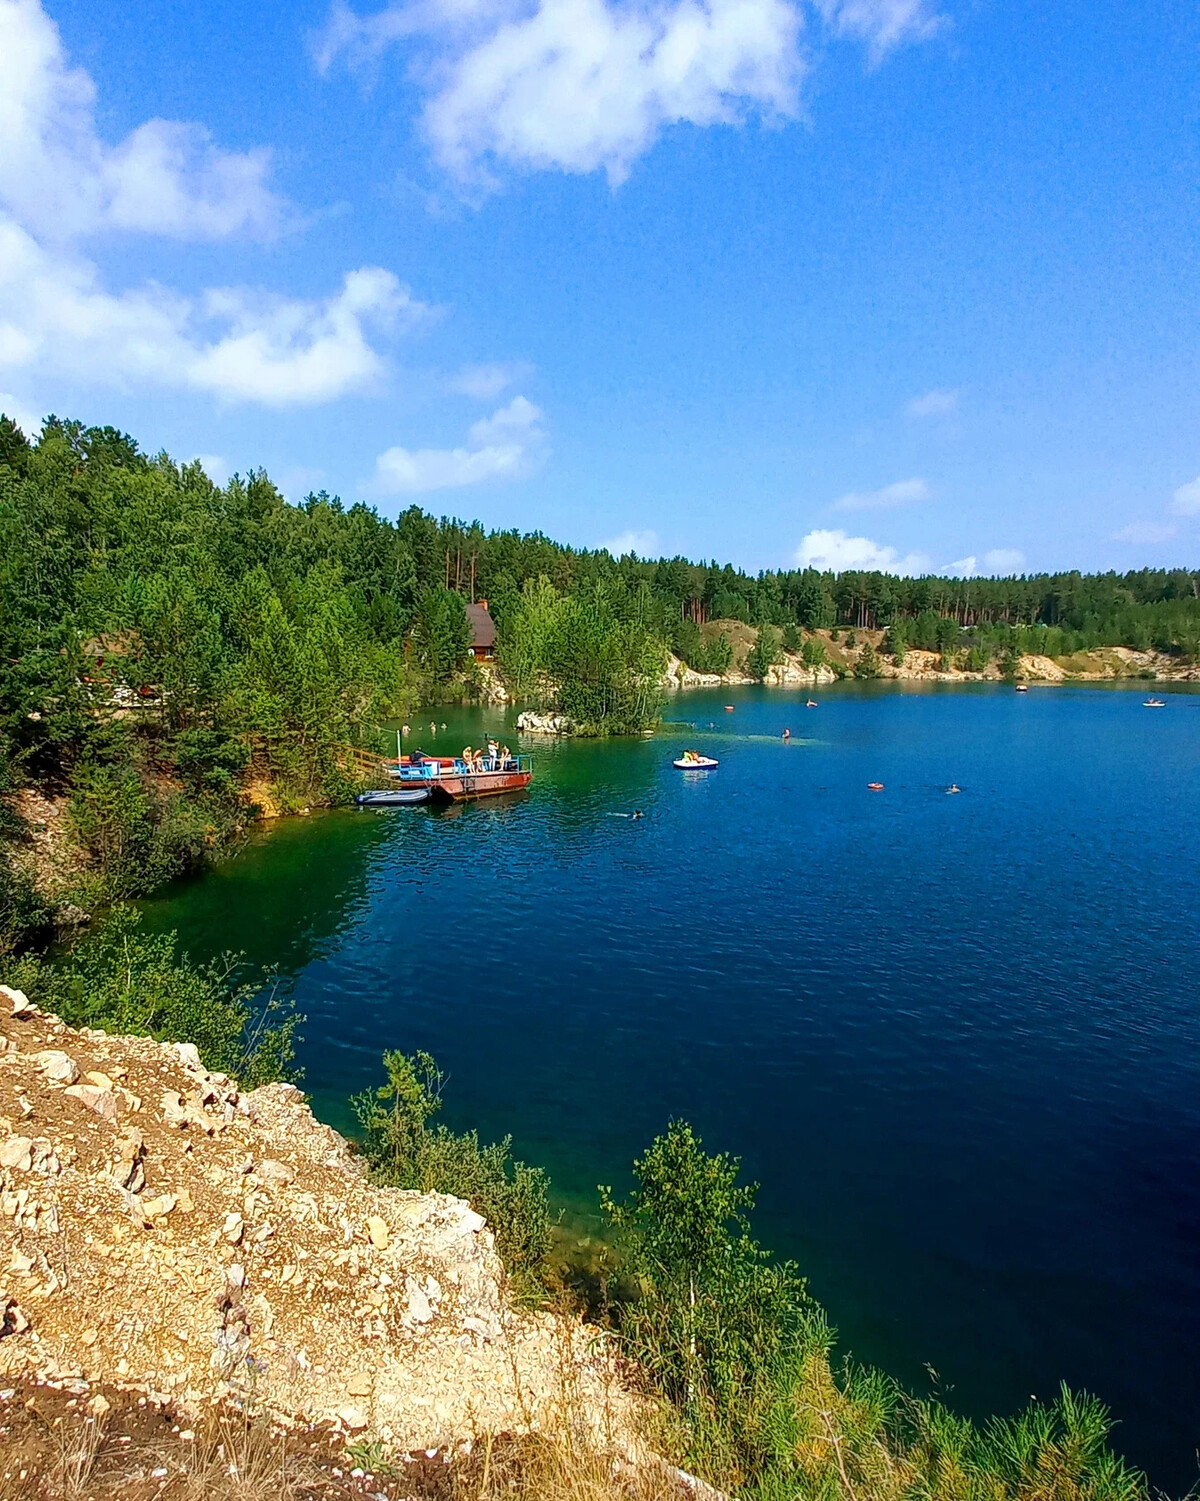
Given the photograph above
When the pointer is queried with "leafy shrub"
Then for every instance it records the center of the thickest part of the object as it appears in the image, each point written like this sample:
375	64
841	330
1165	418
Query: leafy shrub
404	1152
714	655
867	665
129	981
765	652
813	653
793	637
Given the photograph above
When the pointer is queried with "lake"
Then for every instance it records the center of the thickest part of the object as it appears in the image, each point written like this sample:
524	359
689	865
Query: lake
954	1038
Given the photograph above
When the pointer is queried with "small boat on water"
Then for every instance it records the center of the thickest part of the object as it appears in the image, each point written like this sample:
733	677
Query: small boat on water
1154	703
393	797
1022	687
729	708
694	761
874	786
811	704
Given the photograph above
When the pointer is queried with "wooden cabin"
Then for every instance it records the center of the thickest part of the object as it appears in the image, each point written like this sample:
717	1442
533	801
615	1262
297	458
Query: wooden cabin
483	632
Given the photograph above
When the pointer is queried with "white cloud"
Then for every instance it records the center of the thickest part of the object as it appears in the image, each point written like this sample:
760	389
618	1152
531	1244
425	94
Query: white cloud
1186	500
579	85
506	445
22	414
835	551
936	403
1003	560
903	493
645	544
487	382
1141	532
882	24
61	180
57	317
963	568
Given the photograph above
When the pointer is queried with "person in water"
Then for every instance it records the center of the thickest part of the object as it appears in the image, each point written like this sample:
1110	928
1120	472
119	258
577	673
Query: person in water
787	734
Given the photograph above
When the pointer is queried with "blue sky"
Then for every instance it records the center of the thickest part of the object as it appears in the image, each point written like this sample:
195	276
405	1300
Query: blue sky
906	283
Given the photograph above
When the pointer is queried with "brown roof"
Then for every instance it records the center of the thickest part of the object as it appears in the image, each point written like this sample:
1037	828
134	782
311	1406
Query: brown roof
483	627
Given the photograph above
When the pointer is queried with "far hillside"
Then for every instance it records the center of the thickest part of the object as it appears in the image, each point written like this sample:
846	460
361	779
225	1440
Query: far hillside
176	656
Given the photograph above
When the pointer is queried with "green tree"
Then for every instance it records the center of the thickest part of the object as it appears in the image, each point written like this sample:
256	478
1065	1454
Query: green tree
813	653
714	1312
765	652
793	638
442	634
867	665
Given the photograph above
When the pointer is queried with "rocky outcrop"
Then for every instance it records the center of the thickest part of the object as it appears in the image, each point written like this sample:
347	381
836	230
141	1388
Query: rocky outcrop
491	685
789	672
530	722
161	1229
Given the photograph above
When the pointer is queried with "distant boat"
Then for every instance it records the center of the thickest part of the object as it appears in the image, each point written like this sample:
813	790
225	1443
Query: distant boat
729	708
1022	687
874	786
393	797
811	704
1154	703
693	761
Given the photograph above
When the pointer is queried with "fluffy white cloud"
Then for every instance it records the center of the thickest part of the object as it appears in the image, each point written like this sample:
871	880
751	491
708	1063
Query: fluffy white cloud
1186	500
904	492
882	24
834	550
60	182
1003	560
506	445
961	568
645	544
936	403
580	85
57	317
60	179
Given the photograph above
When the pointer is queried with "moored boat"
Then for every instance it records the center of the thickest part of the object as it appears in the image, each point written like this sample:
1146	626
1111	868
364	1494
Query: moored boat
393	797
452	779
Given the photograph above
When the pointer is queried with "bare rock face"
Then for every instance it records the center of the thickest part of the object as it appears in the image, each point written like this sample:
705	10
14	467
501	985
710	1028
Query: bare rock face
160	1229
531	723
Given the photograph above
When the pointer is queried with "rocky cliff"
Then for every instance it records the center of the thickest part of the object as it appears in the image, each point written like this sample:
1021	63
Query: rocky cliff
161	1230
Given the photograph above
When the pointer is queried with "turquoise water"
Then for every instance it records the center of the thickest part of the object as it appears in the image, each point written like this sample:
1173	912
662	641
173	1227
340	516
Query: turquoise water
955	1038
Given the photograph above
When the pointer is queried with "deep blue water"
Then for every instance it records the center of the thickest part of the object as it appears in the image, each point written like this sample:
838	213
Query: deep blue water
955	1038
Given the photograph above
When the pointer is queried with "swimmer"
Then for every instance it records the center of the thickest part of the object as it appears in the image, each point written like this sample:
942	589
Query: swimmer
787	734
953	787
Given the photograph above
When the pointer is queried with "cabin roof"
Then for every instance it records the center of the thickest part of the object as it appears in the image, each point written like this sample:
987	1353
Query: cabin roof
483	627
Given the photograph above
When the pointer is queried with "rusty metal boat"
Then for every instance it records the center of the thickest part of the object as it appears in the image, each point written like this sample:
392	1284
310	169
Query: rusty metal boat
450	779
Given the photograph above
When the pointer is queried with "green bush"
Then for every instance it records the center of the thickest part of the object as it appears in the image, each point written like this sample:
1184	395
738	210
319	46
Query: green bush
793	637
404	1152
715	654
765	652
128	981
867	665
813	653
